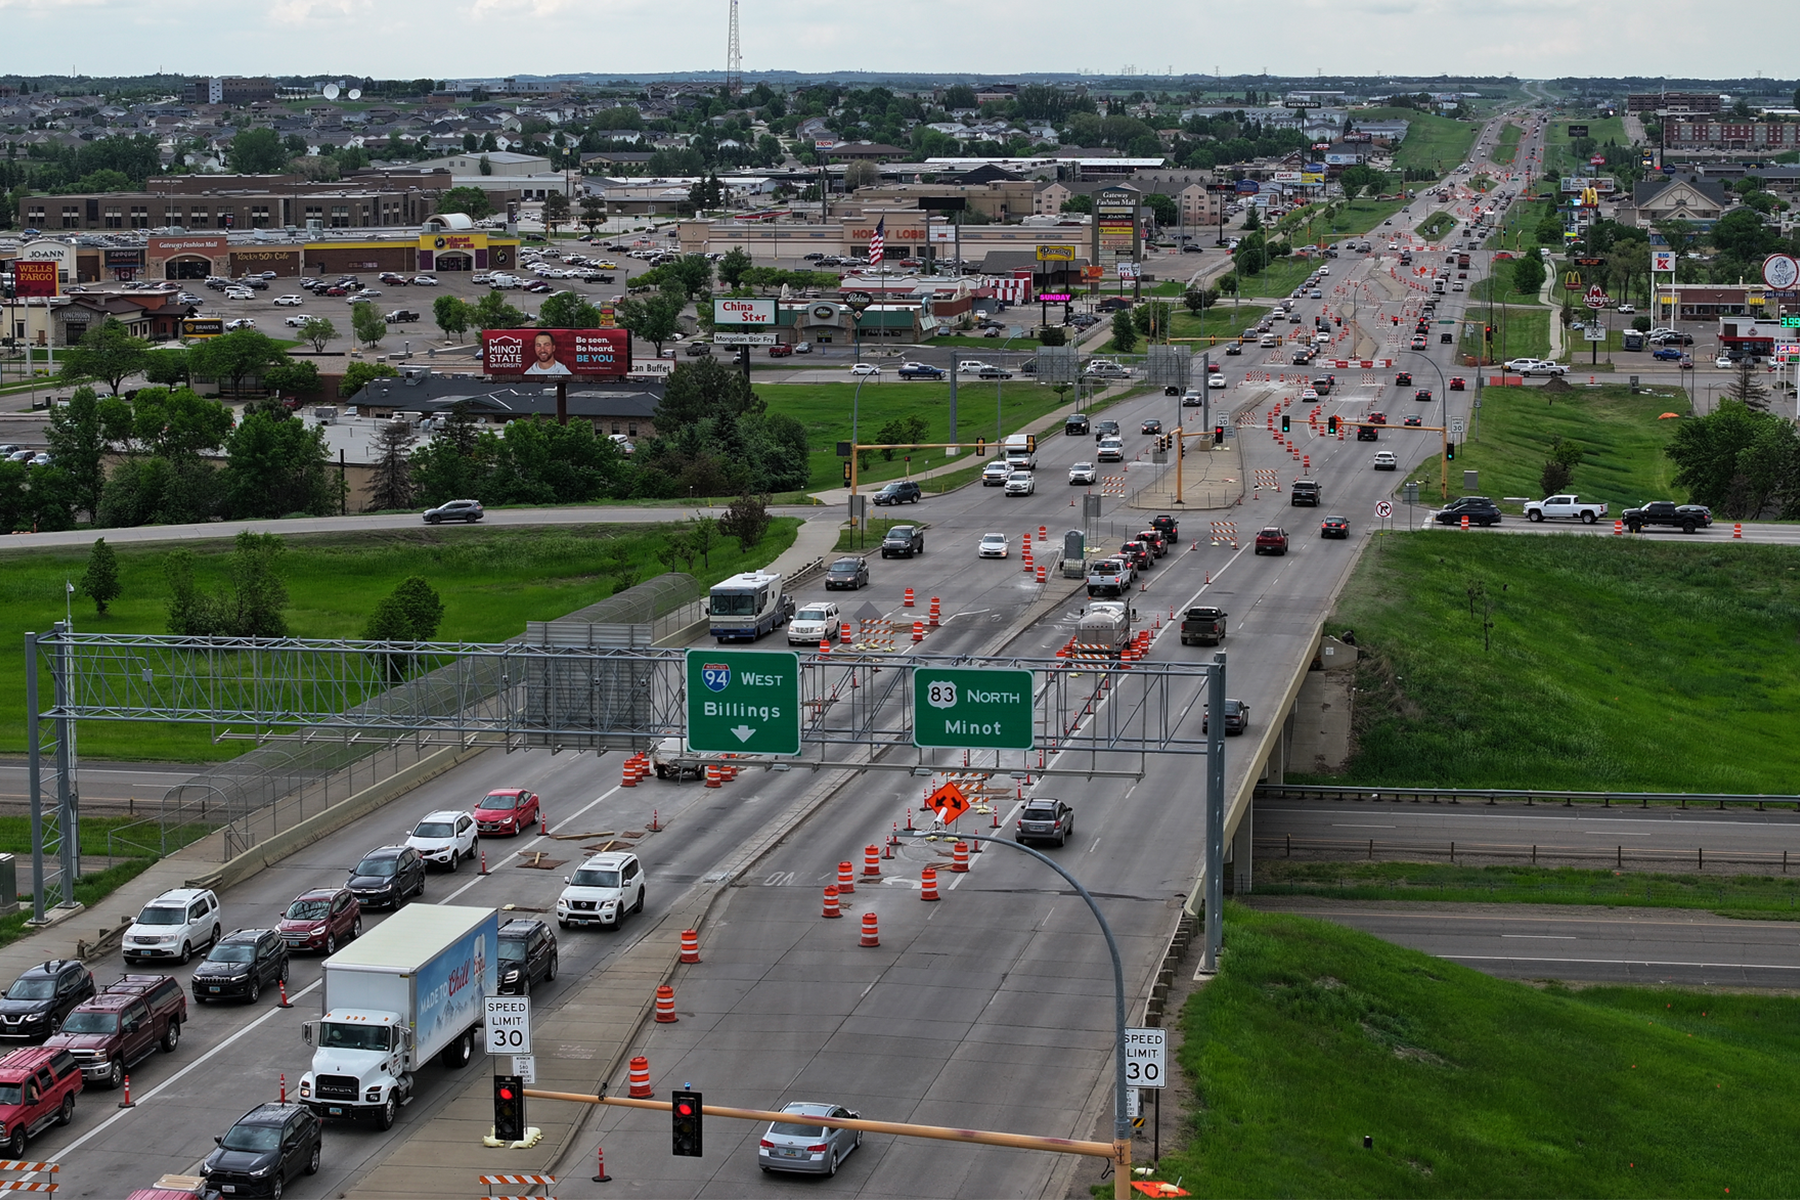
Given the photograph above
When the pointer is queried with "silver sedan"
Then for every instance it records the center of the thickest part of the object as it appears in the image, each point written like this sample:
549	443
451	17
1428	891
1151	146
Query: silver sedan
800	1145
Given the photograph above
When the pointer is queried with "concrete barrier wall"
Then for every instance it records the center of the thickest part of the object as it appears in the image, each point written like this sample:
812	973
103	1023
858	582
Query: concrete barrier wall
272	850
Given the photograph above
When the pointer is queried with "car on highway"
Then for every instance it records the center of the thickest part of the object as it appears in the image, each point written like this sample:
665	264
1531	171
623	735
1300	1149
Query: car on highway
241	965
1151	426
444	838
321	919
1480	510
527	955
291	300
993	545
1192	398
1271	539
1403	379
387	877
1423	395
864	369
1083	473
851	573
507	810
1021	483
814	623
919	370
269	1147
35	1005
901	491
1413	421
803	1145
1334	527
1669	353
1044	819
1111	449
995	473
1233	349
1458	383
454	510
1110	577
1215	381
1307	393
602	891
903	541
174	925
1237	717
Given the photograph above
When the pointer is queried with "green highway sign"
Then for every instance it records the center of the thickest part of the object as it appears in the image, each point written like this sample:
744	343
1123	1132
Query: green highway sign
968	708
743	701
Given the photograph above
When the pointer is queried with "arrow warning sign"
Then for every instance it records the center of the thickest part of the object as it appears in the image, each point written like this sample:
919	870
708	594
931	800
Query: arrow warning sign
949	803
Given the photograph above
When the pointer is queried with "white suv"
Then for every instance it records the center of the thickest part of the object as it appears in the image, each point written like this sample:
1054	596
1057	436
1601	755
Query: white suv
444	838
174	925
602	891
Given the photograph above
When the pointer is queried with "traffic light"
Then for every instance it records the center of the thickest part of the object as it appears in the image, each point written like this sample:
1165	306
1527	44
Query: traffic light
1449	451
1331	425
1488	334
1218	435
509	1108
686	1107
846	470
980	447
1031	442
1285	420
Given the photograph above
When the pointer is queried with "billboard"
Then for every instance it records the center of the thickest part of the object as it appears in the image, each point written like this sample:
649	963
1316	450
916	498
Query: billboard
34	278
203	327
1056	254
743	312
1576	131
1287	177
1662	260
557	353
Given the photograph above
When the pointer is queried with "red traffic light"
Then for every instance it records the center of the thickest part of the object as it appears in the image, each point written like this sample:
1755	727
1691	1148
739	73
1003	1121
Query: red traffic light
684	1108
506	1093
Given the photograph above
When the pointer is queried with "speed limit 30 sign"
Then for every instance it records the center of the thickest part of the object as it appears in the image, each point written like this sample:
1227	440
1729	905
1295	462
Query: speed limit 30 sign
1146	1058
508	1025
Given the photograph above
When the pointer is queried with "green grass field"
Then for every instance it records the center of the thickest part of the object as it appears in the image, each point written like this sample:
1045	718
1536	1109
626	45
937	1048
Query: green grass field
1507	147
1432	143
1748	894
1280	277
1518	333
1584	681
1434	227
1499	286
1620	433
492	581
1559	154
90	889
1313	1037
1223	322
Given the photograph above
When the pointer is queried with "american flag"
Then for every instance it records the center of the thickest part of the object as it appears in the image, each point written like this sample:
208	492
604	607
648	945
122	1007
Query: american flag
875	242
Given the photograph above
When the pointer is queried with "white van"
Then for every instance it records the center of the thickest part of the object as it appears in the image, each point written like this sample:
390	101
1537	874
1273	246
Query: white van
1267	339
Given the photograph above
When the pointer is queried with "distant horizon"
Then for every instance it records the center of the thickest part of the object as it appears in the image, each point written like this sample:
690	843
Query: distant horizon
1502	39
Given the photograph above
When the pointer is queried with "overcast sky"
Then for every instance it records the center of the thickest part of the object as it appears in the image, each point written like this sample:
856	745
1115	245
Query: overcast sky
1533	39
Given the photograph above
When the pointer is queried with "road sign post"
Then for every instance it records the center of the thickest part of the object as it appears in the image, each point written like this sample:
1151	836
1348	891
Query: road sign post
509	1025
743	701
1146	1057
972	708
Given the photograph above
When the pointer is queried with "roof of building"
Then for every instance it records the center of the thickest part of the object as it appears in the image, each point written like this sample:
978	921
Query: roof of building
432	394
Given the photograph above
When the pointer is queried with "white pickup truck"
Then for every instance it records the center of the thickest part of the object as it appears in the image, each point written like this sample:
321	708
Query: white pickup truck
1570	506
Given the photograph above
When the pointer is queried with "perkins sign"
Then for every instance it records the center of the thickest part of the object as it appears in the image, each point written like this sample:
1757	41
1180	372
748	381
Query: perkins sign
743	312
538	353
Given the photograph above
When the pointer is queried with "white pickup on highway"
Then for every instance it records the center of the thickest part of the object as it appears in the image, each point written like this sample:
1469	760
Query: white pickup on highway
1565	506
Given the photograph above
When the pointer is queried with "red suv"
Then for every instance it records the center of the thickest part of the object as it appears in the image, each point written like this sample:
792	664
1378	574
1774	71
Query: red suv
321	920
506	810
1272	540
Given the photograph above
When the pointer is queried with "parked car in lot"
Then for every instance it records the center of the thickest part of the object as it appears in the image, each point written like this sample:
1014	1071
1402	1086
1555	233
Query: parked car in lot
803	1145
174	925
507	810
241	965
321	920
454	510
35	1005
781	350
268	1147
387	877
851	573
292	300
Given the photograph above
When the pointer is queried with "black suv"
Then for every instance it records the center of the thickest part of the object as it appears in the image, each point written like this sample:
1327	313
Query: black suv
1479	509
240	965
1106	429
388	876
1075	423
903	541
35	1005
1305	492
527	954
901	491
1166	524
269	1145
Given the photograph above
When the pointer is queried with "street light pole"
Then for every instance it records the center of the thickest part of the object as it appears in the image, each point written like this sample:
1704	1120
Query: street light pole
1443	421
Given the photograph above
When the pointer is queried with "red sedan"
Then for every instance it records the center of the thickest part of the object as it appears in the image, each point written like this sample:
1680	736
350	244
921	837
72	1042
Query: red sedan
321	920
506	810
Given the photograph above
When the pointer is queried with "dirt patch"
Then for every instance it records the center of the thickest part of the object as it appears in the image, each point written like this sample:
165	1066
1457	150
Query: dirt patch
1558	384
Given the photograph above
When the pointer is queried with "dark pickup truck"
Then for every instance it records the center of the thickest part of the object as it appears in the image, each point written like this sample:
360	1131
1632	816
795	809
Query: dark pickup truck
38	1086
1203	626
124	1024
1685	517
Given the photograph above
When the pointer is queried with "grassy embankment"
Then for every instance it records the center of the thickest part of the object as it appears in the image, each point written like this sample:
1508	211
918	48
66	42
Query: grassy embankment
1559	147
1506	148
1579	628
1433	143
1434	227
1313	1037
492	581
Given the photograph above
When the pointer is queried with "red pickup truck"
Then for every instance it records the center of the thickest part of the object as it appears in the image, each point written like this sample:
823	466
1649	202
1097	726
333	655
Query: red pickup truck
124	1024
38	1086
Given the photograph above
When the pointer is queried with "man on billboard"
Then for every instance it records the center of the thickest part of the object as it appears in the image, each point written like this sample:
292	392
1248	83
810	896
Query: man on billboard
543	349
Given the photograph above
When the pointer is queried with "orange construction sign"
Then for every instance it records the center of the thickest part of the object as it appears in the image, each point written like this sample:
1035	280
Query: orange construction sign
949	802
1157	1189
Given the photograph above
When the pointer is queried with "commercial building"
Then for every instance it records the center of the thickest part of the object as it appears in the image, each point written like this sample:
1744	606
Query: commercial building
1674	102
1688	139
231	89
910	233
238	202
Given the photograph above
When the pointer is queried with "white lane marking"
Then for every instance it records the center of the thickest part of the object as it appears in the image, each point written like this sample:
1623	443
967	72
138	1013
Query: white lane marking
962	875
156	1091
1618	833
1359	825
1547	937
1624	962
1095	846
518	850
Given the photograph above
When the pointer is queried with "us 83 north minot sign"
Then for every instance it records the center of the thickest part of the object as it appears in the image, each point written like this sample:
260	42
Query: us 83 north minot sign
967	708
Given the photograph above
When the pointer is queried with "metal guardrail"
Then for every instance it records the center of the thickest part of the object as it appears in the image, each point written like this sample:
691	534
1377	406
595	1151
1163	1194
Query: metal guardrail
815	567
1371	848
1719	800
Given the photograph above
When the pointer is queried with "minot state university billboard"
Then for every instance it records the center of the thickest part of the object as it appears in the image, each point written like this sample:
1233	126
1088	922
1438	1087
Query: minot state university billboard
581	353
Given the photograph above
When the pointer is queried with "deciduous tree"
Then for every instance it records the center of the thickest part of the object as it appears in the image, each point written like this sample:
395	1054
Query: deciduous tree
100	582
107	352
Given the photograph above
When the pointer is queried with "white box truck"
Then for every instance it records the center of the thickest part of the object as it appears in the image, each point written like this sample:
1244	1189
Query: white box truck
1020	450
413	987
